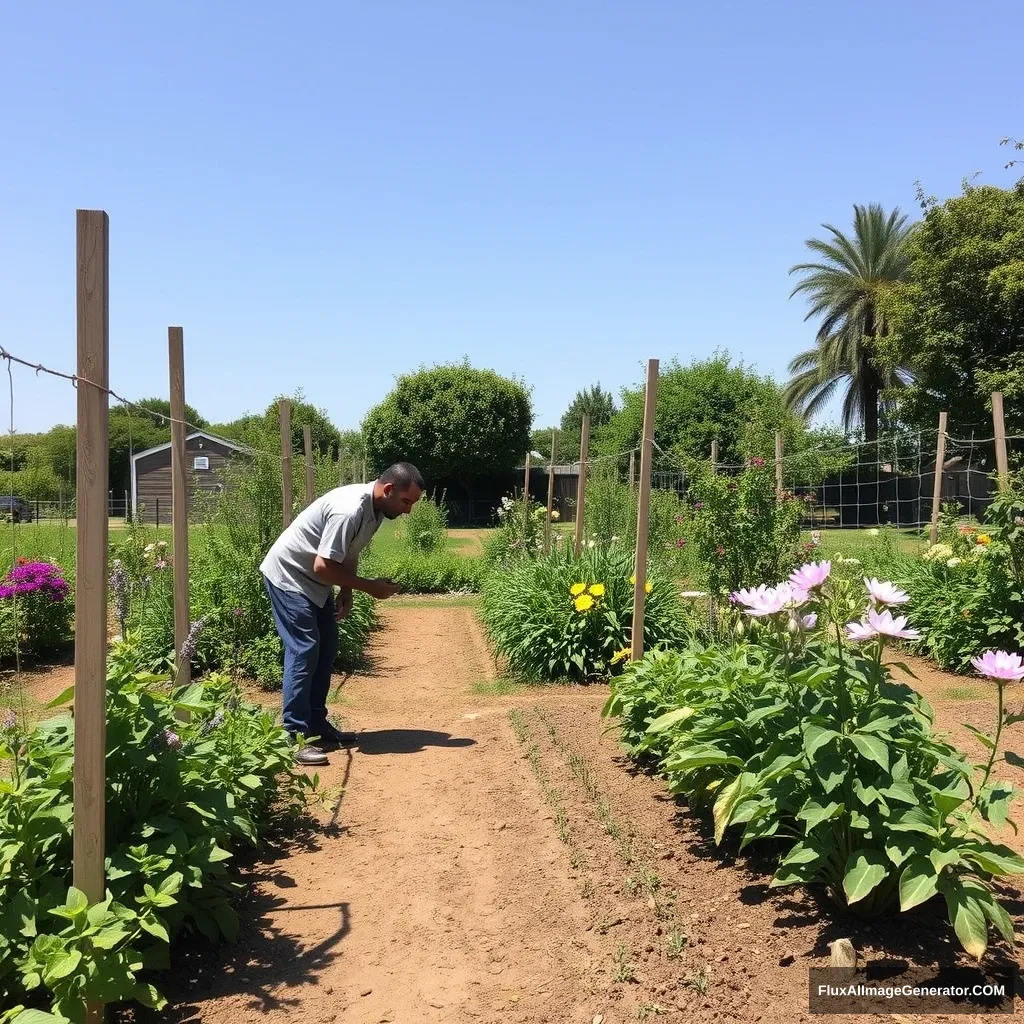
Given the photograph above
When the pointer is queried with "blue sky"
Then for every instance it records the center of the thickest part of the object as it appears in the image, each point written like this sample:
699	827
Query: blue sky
326	195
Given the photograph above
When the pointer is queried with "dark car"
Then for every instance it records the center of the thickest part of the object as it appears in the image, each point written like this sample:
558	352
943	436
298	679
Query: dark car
15	510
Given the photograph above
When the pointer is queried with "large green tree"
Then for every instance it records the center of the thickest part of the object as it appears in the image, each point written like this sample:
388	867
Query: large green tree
707	400
847	290
454	422
600	405
959	322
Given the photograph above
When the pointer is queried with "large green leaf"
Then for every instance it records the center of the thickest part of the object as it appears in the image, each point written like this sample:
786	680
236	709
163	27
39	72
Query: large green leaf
919	882
813	813
670	718
901	791
801	864
871	747
996	860
968	917
864	870
913	819
816	737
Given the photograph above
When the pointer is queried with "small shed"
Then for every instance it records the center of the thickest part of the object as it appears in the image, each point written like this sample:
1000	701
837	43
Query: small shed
208	459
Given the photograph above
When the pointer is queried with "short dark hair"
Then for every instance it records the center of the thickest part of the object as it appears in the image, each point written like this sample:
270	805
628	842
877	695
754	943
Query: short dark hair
402	475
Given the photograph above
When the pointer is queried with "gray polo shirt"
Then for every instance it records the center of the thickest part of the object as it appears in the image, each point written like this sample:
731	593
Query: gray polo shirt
337	526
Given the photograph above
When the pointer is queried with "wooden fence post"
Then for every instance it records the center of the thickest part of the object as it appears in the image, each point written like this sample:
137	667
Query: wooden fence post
179	503
778	464
643	508
551	492
364	469
999	422
581	483
526	496
714	456
90	721
940	458
307	438
632	471
285	413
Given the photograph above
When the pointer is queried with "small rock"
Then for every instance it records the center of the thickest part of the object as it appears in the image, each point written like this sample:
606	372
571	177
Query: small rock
598	1019
739	926
366	991
844	957
722	958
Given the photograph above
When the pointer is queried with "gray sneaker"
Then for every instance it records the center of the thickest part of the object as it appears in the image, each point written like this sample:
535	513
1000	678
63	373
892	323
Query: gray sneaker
311	756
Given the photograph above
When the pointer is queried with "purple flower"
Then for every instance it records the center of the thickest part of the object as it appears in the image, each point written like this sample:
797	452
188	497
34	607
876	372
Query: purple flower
8	720
172	739
214	723
757	462
810	575
119	586
1000	665
698	505
881	624
681	543
809	621
188	648
885	593
238	612
34	577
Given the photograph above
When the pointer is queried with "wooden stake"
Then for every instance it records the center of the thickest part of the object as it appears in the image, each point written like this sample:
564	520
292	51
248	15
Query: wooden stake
179	502
526	496
643	508
90	722
581	484
285	413
999	422
551	492
778	464
632	470
714	456
937	489
307	437
364	469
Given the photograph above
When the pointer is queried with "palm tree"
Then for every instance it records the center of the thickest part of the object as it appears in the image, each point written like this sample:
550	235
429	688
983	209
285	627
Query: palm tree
845	290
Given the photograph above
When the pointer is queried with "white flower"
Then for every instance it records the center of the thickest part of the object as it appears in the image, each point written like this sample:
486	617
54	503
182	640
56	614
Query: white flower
874	532
953	562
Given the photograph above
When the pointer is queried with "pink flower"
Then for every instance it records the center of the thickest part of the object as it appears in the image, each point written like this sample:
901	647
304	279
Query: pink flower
885	593
1000	665
751	597
810	575
772	600
809	621
881	624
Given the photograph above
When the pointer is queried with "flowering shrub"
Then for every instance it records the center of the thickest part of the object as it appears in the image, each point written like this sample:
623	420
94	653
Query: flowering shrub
561	617
741	533
182	797
806	740
968	589
35	610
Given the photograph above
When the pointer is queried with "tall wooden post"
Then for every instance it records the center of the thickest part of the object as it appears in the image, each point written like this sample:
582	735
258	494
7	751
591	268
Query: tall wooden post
779	488
526	495
632	470
179	501
90	722
643	509
307	438
551	492
285	413
714	456
940	459
581	484
364	469
999	422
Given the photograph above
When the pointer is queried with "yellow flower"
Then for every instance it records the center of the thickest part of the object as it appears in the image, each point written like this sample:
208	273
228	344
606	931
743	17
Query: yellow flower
597	589
577	588
584	603
983	538
554	514
632	579
648	586
618	656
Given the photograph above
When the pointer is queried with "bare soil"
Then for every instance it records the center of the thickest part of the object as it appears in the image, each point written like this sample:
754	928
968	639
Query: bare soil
491	856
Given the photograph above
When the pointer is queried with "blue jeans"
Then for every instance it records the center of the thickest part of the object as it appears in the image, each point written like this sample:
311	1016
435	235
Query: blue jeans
310	638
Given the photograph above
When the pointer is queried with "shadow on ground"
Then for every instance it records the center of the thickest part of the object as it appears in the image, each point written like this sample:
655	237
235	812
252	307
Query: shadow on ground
407	741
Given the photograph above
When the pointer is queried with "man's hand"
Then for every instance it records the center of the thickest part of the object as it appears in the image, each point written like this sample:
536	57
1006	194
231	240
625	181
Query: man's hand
344	603
382	588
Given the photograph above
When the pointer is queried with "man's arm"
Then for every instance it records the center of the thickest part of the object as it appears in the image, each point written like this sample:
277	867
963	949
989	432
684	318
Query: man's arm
339	574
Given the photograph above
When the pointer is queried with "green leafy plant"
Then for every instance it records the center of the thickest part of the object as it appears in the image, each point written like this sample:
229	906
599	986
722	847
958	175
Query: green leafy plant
182	797
563	617
802	740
